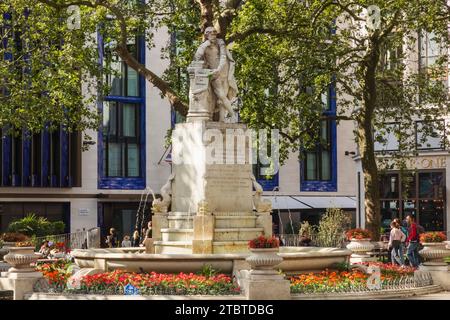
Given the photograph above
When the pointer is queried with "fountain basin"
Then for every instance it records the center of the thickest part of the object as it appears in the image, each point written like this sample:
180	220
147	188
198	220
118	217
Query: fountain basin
295	260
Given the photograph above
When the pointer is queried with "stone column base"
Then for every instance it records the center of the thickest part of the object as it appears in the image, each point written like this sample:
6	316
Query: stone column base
159	221
439	273
20	283
149	245
203	234
266	285
267	289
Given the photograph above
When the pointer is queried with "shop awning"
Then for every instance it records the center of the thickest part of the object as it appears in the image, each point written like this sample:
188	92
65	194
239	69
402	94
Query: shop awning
328	202
285	202
304	202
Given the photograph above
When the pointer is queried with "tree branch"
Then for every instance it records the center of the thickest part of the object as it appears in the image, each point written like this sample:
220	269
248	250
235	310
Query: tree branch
124	53
226	17
207	13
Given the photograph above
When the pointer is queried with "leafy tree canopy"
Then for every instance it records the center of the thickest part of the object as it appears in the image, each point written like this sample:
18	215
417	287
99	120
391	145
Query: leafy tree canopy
287	51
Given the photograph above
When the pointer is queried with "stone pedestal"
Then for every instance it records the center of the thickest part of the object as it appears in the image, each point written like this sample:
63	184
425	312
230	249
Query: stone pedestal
439	273
212	191
20	283
203	236
264	220
266	285
149	245
212	162
159	221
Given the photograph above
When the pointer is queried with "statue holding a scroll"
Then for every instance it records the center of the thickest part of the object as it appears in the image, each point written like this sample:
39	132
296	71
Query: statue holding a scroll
213	86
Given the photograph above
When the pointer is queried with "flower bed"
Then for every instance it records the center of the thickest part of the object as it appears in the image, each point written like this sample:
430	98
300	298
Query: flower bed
433	237
56	273
339	281
159	283
391	270
152	283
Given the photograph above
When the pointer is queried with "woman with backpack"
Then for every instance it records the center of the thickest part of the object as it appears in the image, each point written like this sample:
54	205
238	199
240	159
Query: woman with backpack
396	238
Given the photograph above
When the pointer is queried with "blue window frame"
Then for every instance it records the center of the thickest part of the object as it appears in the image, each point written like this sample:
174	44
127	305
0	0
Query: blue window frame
267	182
45	159
321	173
121	139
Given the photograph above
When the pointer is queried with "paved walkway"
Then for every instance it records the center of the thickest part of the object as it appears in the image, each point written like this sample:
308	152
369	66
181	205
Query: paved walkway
445	295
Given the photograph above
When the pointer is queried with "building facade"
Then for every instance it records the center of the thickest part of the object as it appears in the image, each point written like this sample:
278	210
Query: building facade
106	185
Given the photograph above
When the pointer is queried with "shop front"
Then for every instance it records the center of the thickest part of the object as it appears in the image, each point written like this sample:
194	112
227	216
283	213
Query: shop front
420	193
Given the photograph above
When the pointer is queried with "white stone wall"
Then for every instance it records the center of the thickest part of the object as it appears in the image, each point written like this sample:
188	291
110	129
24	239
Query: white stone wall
158	117
83	214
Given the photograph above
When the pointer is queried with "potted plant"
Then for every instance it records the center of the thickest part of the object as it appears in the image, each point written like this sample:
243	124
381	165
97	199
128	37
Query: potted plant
10	238
359	244
434	250
21	256
264	254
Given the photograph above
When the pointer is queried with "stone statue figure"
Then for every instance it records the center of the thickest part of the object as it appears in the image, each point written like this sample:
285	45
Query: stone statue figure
261	205
216	61
162	205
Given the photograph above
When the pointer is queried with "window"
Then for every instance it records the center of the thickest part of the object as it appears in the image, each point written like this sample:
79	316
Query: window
264	172
430	135
391	56
121	139
319	165
123	81
386	139
16	159
421	194
430	50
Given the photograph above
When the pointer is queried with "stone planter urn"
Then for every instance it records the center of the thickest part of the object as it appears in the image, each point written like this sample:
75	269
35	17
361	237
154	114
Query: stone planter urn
3	252
360	249
21	259
434	253
264	260
447	244
8	244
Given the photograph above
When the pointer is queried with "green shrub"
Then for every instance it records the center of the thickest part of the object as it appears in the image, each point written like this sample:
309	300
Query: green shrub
331	229
208	271
32	225
58	227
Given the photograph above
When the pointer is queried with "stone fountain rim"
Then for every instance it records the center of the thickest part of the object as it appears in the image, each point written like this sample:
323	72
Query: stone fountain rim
89	254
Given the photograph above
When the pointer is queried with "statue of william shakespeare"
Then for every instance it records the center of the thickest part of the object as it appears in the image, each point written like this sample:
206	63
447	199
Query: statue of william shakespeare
213	86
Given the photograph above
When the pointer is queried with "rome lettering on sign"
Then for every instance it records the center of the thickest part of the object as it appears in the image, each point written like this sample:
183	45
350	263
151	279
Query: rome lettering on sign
428	163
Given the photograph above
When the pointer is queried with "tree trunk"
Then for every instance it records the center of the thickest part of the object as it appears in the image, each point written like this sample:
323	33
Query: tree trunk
366	141
207	13
371	182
